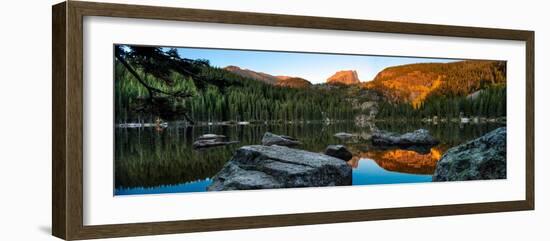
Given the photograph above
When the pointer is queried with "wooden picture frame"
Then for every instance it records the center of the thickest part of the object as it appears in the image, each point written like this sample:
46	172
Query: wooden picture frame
67	137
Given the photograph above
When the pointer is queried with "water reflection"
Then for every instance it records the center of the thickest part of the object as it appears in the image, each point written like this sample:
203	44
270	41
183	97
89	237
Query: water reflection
368	172
148	160
195	186
403	161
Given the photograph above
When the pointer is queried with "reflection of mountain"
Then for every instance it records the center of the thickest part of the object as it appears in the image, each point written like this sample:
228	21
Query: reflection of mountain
413	83
404	161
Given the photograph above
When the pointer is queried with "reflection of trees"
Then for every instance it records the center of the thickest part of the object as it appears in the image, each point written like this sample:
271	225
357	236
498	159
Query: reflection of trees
147	158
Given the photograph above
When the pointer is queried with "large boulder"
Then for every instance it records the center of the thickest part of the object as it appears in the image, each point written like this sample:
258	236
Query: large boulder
338	151
265	167
270	139
480	159
420	137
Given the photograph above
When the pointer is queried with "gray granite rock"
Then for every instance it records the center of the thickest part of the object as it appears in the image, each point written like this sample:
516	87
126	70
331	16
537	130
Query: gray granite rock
480	159
265	167
270	139
419	137
338	151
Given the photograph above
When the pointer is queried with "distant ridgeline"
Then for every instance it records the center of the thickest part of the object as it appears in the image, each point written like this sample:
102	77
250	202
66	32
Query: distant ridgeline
152	82
468	88
216	94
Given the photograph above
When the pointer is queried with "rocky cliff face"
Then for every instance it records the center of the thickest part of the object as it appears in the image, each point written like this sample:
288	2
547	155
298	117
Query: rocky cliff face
344	77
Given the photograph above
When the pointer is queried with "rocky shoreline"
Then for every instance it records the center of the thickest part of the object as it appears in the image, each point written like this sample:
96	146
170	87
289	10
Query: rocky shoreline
483	158
275	164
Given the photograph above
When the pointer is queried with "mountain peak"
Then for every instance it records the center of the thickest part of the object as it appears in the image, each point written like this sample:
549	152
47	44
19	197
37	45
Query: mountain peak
266	78
345	77
232	68
281	80
292	82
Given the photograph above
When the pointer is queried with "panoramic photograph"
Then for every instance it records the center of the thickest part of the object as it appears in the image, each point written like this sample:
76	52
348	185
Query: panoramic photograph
202	119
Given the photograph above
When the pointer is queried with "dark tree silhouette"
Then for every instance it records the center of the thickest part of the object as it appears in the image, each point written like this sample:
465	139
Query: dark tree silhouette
160	64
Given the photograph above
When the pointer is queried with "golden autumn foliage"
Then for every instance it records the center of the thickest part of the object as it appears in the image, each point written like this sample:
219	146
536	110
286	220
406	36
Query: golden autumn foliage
413	83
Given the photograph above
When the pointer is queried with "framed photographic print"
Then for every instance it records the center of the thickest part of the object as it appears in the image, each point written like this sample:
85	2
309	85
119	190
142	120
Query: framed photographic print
171	120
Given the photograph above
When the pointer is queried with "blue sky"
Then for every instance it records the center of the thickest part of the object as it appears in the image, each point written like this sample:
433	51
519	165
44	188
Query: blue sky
311	66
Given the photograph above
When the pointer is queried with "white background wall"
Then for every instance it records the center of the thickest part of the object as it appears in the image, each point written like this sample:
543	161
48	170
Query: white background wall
25	120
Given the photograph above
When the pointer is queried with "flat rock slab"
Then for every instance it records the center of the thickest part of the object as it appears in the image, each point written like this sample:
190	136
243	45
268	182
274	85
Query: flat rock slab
266	167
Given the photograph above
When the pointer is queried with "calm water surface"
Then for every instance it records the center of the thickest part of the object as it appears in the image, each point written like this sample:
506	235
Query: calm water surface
153	160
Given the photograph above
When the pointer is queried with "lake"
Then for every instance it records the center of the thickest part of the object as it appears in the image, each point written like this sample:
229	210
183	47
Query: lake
154	160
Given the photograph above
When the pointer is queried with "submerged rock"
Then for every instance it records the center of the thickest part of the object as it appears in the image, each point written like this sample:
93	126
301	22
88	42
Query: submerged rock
338	151
343	135
200	144
265	167
420	137
211	140
270	139
212	137
480	159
